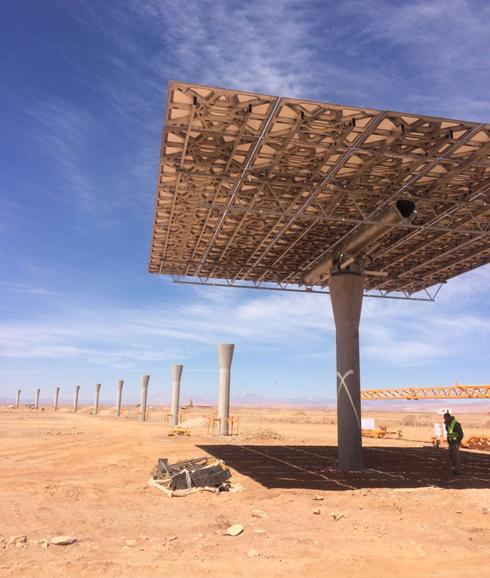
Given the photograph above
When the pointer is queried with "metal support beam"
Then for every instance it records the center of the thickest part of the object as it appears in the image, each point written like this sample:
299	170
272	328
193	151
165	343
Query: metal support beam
181	280
236	188
219	185
323	217
372	124
468	134
408	271
182	159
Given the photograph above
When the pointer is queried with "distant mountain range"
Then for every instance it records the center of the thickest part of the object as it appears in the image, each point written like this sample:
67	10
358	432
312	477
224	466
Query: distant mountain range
260	400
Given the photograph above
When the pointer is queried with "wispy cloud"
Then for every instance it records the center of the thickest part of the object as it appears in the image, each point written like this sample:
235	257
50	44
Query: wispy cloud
414	333
24	288
420	55
80	159
129	336
245	45
64	133
296	324
468	288
280	47
437	51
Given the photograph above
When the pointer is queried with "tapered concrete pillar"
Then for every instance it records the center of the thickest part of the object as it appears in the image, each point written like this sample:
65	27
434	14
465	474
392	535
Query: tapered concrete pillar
144	396
75	399
176	375
56	398
346	290
17	401
36	402
225	356
96	399
119	389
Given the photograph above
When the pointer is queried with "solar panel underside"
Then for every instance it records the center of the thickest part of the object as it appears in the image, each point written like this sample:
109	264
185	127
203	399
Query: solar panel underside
259	188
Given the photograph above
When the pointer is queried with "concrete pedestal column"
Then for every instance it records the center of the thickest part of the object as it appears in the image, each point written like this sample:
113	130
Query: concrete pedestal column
119	389
225	356
36	402
96	399
17	401
56	398
75	398
346	290
176	375
144	396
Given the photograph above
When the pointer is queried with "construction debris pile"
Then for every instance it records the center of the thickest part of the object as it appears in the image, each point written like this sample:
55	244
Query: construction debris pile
478	442
189	476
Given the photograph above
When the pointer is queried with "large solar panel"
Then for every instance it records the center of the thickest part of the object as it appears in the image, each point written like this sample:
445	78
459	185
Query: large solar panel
259	189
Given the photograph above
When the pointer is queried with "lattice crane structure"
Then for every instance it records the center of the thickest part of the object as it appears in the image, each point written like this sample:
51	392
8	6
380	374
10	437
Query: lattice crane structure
457	391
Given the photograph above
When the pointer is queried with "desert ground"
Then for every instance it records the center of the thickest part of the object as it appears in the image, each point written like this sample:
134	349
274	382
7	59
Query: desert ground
87	476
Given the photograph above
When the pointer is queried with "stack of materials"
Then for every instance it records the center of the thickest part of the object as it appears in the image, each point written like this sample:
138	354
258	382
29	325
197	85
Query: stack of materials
189	476
179	431
478	442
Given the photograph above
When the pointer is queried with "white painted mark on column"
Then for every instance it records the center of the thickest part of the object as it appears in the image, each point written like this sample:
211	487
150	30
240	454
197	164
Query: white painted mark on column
342	383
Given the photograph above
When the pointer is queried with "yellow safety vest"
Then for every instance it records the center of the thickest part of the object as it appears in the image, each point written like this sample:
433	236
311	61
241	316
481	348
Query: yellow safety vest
452	436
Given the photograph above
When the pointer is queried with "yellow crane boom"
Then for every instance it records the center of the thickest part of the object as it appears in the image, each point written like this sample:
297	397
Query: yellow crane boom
457	391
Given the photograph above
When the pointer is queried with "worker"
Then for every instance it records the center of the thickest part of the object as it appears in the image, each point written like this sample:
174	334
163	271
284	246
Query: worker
454	438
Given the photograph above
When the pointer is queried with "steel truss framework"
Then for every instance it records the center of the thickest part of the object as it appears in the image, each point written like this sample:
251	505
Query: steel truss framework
424	295
444	392
256	190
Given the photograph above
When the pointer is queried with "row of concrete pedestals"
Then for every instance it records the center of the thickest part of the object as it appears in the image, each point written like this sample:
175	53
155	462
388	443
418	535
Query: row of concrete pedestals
225	356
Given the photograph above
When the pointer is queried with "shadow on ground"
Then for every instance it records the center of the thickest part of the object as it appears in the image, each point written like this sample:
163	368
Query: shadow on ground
313	467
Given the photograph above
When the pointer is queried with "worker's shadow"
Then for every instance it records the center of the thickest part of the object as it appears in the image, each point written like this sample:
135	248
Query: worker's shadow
314	467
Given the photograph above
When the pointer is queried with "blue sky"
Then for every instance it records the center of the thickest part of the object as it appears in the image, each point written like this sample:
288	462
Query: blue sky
83	94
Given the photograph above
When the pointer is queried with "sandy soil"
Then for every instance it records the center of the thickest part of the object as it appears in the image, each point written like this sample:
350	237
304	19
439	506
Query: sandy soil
86	477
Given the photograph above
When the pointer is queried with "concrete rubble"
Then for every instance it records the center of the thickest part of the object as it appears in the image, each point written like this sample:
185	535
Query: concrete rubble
63	540
234	530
